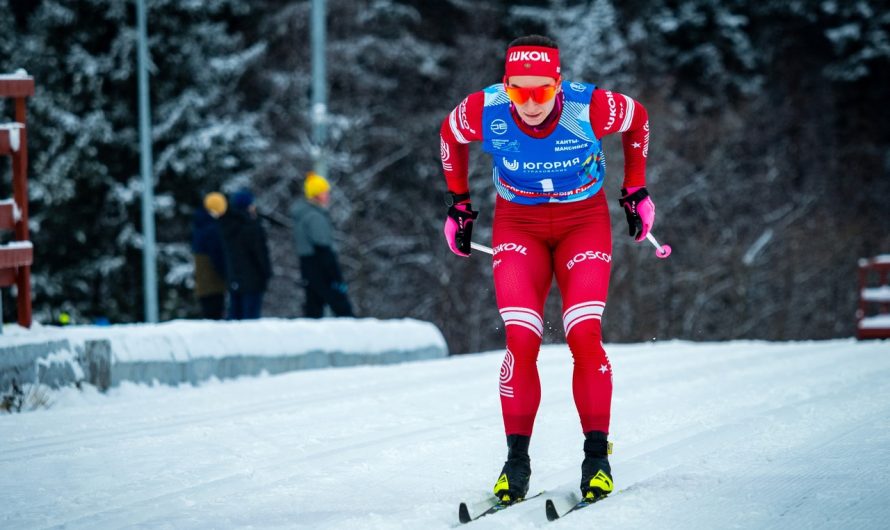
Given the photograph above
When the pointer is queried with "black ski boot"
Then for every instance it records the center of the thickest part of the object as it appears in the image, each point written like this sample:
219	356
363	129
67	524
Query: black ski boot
596	473
512	485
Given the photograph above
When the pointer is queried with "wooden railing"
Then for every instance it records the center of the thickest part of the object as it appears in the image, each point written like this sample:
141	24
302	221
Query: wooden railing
873	314
17	253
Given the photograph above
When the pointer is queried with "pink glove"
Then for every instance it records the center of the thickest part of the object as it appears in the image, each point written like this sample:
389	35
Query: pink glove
459	228
640	211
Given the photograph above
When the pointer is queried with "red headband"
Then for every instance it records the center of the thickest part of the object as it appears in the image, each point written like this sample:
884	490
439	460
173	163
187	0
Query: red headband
532	60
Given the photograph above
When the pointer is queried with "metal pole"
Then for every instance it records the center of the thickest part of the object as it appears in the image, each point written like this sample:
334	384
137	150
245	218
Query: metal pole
319	88
149	260
481	248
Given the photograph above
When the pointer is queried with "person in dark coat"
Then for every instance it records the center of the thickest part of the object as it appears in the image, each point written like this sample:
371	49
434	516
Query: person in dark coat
210	265
314	235
248	267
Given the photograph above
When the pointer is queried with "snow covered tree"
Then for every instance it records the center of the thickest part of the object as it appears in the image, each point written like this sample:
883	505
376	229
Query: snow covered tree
391	81
85	182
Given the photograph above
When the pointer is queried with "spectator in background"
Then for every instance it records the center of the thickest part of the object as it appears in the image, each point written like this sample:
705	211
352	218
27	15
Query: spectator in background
248	268
210	265
314	235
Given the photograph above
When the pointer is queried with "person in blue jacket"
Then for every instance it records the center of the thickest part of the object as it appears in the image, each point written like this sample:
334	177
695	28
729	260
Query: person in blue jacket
207	249
248	267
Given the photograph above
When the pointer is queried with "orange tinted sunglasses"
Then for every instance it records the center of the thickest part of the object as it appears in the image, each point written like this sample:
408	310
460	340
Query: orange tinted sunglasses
541	94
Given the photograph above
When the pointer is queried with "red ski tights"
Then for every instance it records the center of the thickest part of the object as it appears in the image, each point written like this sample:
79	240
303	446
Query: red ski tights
572	241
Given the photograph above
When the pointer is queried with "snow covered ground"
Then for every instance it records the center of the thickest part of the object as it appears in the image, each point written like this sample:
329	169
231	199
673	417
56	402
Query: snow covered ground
707	435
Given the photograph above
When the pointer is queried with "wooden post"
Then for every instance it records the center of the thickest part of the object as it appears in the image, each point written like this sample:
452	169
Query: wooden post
20	193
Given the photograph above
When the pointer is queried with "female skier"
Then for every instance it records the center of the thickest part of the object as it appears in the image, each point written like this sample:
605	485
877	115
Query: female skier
551	218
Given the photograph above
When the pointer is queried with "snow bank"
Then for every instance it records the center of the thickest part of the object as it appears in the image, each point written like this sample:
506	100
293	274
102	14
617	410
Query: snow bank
196	350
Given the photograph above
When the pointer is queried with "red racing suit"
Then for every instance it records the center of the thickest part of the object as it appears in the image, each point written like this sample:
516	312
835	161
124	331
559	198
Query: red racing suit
568	239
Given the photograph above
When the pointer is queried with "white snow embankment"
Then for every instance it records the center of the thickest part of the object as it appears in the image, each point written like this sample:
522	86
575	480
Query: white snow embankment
195	350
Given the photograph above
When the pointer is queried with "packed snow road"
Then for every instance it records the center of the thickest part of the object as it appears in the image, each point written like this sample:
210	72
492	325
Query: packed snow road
707	435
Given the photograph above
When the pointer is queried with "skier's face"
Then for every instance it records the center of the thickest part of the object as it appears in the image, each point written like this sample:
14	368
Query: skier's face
323	199
532	111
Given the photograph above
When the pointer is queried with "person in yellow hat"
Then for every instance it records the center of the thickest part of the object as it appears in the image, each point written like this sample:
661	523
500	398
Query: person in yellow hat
314	237
207	249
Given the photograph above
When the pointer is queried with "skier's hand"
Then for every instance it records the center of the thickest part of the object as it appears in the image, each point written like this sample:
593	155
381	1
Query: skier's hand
639	209
459	228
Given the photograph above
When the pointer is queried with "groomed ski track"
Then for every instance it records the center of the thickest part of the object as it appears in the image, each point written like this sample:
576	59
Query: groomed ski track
707	435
